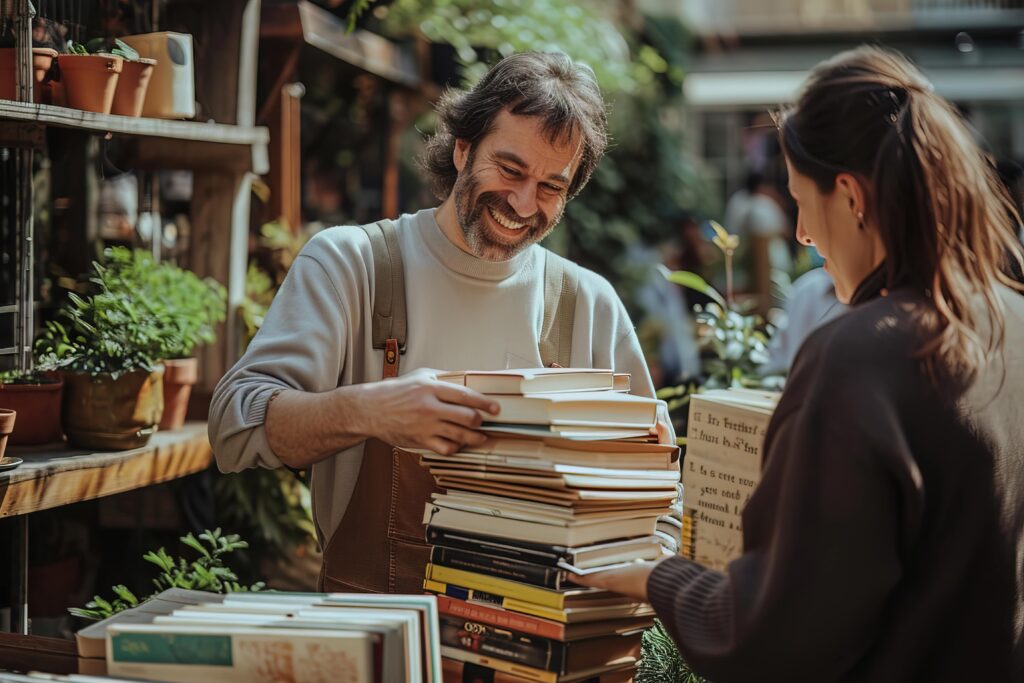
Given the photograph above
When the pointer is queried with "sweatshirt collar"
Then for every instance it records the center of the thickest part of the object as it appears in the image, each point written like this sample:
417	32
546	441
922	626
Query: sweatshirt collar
464	263
874	285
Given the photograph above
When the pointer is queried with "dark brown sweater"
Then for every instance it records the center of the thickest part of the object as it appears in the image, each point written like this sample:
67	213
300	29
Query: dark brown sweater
886	539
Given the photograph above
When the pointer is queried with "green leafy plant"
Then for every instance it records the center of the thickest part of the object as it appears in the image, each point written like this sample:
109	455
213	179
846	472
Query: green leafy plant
205	573
140	312
39	374
271	507
660	661
104	46
189	307
476	27
106	332
734	342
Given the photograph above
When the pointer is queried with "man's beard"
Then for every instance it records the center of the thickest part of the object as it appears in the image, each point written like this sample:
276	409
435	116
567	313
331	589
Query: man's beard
470	208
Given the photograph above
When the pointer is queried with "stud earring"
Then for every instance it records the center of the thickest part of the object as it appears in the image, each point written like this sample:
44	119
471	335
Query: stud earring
860	220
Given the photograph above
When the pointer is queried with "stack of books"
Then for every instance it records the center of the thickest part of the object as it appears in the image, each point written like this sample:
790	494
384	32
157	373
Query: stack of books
570	481
182	635
722	466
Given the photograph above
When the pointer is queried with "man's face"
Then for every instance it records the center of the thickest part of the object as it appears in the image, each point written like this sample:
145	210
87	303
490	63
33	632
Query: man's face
512	186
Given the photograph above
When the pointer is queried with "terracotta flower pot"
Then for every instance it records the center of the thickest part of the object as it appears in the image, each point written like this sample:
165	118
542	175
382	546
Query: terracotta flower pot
179	376
6	427
107	414
131	87
90	80
42	60
39	407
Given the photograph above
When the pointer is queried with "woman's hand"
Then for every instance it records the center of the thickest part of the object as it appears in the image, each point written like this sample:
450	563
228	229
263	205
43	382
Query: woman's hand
631	580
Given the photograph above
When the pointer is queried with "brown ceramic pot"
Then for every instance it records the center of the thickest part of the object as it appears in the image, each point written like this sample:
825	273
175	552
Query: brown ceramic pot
179	376
42	60
90	80
132	85
6	427
112	414
39	408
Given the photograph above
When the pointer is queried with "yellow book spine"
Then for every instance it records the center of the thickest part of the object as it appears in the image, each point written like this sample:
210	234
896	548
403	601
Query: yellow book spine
498	586
510	604
536	610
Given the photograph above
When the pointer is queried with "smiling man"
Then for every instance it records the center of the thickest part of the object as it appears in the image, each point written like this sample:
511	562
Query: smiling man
479	293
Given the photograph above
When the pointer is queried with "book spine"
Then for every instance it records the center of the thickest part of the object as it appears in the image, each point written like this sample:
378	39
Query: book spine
510	646
501	618
460	593
688	535
509	589
533	574
499	665
442	537
235	658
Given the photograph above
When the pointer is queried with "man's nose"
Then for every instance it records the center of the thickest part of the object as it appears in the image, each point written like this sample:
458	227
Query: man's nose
523	201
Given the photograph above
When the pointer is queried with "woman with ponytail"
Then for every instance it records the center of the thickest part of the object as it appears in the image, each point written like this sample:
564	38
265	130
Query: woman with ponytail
885	541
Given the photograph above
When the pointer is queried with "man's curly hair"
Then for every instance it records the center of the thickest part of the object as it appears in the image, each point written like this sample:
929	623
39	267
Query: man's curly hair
561	93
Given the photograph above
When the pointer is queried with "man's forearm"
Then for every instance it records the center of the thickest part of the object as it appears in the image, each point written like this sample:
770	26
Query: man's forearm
304	428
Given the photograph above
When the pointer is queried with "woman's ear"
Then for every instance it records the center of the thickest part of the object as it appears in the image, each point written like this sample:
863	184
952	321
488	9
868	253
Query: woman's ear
854	195
460	154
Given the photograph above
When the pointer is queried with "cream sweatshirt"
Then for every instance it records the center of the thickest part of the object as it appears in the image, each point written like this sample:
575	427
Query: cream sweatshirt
463	313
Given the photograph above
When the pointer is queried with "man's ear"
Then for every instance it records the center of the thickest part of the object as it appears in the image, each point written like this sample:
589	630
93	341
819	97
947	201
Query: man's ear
460	154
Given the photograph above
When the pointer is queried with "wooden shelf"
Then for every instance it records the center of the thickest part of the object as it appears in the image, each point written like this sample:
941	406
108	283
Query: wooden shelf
51	477
64	117
158	143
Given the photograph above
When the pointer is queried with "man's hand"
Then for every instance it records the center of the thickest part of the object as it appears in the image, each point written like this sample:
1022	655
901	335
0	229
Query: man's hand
631	580
420	411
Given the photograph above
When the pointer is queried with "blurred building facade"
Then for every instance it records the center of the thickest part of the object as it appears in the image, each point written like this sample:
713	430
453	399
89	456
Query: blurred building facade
753	55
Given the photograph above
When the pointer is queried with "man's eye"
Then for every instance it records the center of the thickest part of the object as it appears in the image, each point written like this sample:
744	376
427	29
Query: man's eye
553	189
509	171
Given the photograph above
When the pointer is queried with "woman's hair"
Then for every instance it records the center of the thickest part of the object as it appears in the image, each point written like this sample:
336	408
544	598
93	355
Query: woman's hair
562	94
947	223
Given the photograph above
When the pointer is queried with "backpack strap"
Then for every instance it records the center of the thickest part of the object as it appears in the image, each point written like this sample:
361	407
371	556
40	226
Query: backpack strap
389	315
561	285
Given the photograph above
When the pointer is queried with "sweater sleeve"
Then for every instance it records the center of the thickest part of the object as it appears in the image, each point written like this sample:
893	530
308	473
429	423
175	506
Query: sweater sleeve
301	345
821	556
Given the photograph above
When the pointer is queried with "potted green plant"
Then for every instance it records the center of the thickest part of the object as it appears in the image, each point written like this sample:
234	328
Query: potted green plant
136	73
108	345
36	396
186	309
89	77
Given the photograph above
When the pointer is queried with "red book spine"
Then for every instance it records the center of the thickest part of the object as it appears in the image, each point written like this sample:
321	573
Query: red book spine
501	618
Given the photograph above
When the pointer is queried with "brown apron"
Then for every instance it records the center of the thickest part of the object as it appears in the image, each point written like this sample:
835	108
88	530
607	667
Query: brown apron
379	545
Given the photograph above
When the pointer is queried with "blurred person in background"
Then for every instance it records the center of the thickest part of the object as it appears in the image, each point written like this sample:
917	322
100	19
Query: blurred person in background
811	303
885	541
